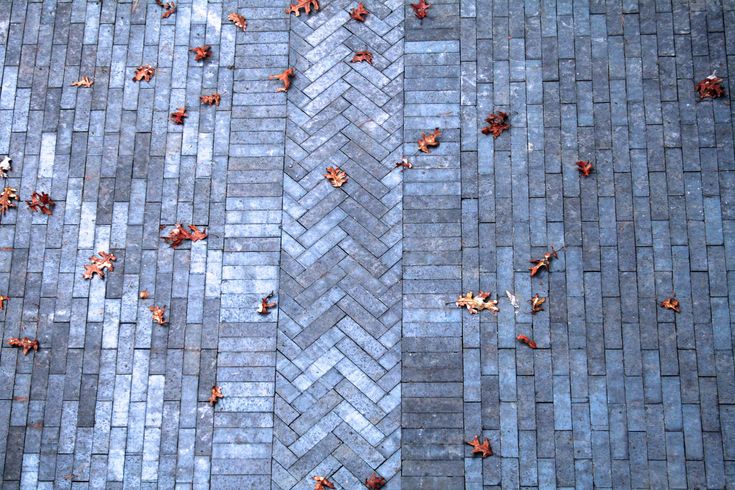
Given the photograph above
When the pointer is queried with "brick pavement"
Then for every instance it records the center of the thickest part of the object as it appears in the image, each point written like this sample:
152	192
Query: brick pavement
363	366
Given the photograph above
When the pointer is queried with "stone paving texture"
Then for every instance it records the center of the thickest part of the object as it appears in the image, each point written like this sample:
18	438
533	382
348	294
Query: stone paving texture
363	366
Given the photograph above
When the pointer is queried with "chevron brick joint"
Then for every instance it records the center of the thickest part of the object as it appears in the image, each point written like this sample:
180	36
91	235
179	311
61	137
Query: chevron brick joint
337	404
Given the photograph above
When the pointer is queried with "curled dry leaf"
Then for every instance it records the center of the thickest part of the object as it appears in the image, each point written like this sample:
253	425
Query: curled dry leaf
25	343
144	73
144	294
497	123
213	99
421	9
3	300
202	52
375	482
216	394
710	87
483	449
168	7
41	202
671	304
513	299
404	164
429	140
361	56
179	234
98	265
322	482
525	340
359	13
5	166
238	20
537	303
336	176
285	76
543	263
584	167
303	4
483	301
6	199
159	314
85	82
265	304
179	116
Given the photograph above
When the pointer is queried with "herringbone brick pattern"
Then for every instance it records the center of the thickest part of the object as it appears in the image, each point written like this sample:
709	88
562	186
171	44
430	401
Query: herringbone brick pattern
339	327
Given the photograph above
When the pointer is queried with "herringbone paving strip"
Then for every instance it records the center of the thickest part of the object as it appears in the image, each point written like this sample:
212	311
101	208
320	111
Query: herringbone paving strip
337	403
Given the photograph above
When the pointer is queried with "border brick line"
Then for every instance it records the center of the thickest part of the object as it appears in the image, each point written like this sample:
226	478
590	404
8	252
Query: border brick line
432	386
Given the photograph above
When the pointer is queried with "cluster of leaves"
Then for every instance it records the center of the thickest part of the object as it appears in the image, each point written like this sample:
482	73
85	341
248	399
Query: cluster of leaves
238	20
710	87
179	234
475	304
159	314
336	176
307	5
201	53
584	167
285	76
359	13
144	73
497	123
265	304
85	82
215	395
169	8
361	56
98	265
429	140
421	9
179	116
482	449
41	202
7	197
25	343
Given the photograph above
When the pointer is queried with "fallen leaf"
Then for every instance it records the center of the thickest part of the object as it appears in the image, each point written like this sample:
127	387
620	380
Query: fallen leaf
69	476
404	164
671	304
710	87
144	72
265	305
238	20
36	425
169	7
483	301
144	294
303	4
25	343
513	299
179	116
85	82
527	341
3	300
159	313
483	449
213	99
361	56
216	395
179	234
285	76
429	140
20	398
584	167
543	263
41	202
537	303
359	13
497	123
336	176
202	52
322	482
99	265
421	9
5	165
6	200
375	482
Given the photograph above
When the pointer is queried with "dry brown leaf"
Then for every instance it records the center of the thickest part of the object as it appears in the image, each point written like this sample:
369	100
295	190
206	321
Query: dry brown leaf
179	234
265	304
213	99
429	140
543	263
285	76
671	304
201	53
421	9
168	7
41	202
336	176
6	200
25	343
375	482
303	4
537	303
159	314
216	395
179	116
5	166
584	167
144	294
359	13
710	87
497	123
85	82
483	449
404	164
529	342
322	482
144	73
238	20
99	265
3	300
361	56
474	304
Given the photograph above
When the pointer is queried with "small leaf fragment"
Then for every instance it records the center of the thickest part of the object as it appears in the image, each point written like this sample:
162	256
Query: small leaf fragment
404	164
